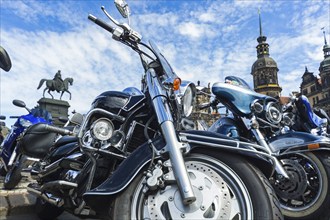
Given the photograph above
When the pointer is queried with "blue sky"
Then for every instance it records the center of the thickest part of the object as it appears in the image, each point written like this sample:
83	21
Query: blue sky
203	40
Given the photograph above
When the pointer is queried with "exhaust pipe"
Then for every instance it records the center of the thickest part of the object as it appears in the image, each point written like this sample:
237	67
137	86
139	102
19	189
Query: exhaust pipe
40	192
47	197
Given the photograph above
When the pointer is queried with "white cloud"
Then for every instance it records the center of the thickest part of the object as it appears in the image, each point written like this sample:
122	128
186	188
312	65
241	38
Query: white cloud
203	40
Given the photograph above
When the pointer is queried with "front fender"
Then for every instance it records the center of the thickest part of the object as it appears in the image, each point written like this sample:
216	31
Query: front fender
122	177
254	153
294	142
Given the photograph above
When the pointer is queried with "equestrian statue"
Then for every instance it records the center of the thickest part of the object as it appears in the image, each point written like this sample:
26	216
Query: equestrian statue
57	84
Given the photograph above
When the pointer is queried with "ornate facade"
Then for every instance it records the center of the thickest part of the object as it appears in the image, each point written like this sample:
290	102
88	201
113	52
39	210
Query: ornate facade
203	117
316	89
264	69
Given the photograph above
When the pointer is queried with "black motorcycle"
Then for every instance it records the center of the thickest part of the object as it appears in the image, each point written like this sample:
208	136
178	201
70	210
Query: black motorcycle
134	163
302	171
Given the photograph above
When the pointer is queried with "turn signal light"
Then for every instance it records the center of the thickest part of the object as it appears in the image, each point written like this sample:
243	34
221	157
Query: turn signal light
313	146
176	84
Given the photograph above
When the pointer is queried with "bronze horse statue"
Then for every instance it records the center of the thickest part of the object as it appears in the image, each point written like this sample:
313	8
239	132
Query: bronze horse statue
53	85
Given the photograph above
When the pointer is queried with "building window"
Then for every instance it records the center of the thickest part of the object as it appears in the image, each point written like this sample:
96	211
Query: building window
313	88
304	92
314	102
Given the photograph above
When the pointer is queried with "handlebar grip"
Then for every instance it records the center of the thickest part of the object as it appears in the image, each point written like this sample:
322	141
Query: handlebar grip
58	130
14	116
101	23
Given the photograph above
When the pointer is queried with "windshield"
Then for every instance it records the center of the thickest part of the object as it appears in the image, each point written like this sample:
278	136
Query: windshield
163	62
236	81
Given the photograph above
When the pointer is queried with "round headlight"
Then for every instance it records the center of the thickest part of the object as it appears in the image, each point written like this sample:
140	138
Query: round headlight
102	129
188	101
273	113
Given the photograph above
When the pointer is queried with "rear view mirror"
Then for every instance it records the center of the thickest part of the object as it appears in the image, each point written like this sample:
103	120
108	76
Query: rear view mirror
77	118
2	117
123	8
19	103
5	62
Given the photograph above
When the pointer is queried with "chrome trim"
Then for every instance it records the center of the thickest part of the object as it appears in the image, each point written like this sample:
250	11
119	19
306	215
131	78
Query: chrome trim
12	157
180	172
158	98
51	199
173	146
261	140
50	168
253	148
86	120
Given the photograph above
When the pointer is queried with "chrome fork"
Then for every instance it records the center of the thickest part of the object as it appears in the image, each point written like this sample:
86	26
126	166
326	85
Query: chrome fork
173	146
261	140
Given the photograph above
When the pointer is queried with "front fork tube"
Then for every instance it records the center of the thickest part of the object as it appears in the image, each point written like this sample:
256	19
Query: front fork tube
173	146
12	158
178	165
278	166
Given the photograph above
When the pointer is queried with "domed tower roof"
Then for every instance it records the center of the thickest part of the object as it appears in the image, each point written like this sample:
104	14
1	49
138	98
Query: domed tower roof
264	69
263	62
325	64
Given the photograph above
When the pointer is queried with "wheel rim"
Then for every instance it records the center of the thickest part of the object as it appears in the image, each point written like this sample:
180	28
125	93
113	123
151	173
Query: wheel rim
304	188
220	194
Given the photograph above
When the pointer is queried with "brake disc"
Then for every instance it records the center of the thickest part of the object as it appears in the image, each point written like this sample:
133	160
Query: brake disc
294	187
213	198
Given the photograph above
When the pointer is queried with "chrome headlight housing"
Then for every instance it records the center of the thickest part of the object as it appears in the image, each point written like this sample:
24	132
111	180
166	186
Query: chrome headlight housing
187	95
102	129
273	112
288	119
25	123
256	106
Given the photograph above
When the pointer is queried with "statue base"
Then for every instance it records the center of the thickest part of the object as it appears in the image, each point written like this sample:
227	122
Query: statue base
57	108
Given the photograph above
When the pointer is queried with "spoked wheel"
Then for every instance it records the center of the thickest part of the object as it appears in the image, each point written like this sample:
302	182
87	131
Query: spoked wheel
222	192
306	195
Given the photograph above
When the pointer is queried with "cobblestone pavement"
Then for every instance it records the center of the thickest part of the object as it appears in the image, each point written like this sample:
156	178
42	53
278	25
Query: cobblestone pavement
15	201
18	204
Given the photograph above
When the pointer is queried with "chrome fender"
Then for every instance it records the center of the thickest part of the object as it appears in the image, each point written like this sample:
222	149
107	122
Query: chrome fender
295	142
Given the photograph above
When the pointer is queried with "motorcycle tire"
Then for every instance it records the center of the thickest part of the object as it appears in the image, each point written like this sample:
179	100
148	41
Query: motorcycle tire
3	171
13	176
47	211
312	201
226	187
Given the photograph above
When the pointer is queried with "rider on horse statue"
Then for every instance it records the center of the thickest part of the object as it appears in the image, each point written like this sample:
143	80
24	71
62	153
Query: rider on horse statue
58	81
56	84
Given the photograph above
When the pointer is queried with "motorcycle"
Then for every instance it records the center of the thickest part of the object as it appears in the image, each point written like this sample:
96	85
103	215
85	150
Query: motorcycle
5	62
11	160
134	163
302	117
302	173
2	125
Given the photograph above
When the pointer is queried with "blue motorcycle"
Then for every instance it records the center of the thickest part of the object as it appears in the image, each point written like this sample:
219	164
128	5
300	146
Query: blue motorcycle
303	117
2	125
11	160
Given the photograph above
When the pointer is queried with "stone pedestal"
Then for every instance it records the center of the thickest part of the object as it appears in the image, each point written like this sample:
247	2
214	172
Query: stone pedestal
56	108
